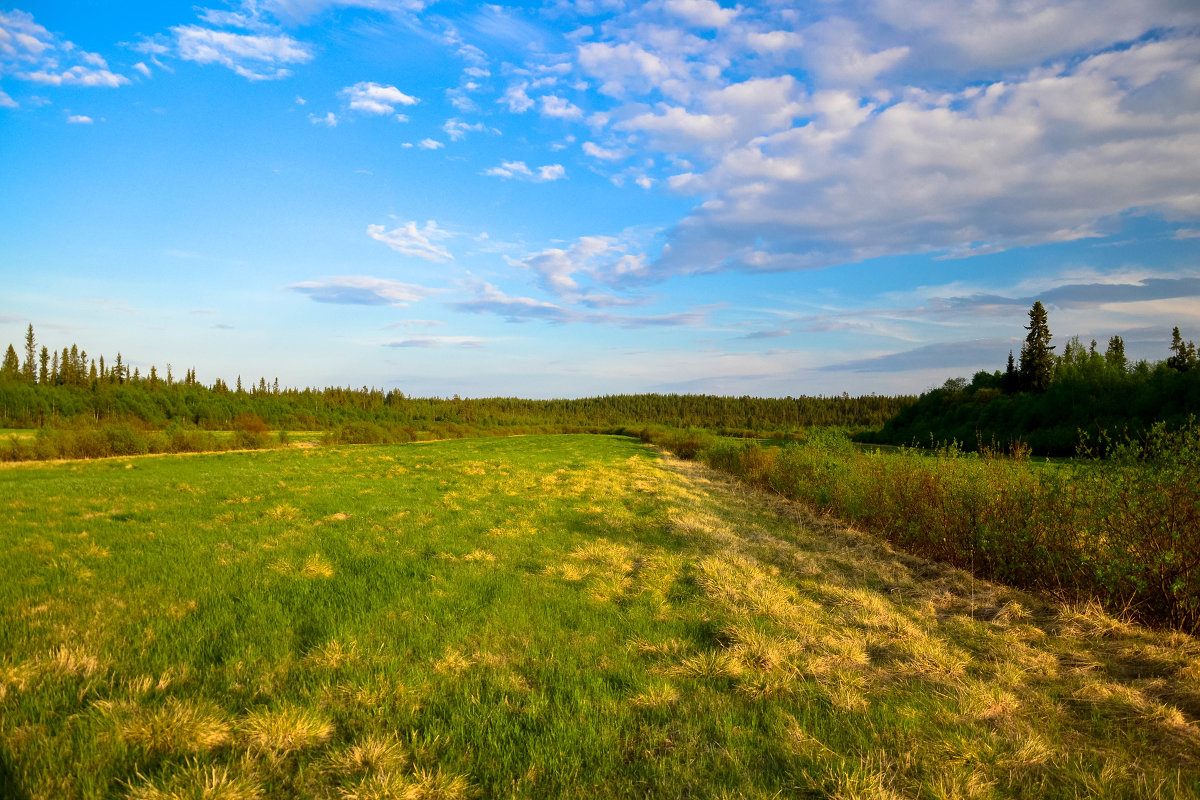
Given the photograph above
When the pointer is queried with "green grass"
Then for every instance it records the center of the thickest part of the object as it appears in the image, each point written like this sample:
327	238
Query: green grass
541	616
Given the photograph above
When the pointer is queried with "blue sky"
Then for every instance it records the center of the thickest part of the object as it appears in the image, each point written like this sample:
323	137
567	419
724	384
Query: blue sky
567	199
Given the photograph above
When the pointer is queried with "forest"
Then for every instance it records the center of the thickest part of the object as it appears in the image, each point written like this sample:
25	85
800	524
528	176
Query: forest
1055	404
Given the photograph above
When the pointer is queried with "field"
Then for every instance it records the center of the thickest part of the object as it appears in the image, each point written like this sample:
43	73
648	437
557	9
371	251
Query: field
541	616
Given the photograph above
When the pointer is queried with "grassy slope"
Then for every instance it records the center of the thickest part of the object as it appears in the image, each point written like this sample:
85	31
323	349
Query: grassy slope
535	617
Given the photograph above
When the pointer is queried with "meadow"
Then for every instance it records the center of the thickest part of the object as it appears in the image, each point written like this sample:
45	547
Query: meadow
538	616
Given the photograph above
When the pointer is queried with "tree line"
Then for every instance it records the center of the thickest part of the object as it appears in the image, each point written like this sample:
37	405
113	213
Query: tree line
1054	402
48	387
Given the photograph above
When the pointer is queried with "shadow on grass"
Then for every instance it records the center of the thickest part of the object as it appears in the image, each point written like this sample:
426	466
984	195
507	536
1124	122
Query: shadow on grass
10	784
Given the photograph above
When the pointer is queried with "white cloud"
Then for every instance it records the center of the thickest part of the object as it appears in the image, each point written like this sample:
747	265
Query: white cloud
518	169
413	241
1187	233
30	52
330	120
606	153
430	144
438	341
773	41
623	68
362	290
456	129
376	98
702	13
555	106
6	101
516	99
254	57
79	119
142	68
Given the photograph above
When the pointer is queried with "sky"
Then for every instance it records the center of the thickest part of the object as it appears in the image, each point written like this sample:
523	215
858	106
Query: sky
569	199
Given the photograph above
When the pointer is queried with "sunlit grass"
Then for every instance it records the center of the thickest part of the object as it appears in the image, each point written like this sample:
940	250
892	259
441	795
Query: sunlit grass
537	617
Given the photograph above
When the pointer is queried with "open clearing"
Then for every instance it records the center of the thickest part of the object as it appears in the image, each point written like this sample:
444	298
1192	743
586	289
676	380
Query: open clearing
543	616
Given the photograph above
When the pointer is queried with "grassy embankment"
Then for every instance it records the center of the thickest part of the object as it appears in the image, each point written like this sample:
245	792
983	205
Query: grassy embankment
536	617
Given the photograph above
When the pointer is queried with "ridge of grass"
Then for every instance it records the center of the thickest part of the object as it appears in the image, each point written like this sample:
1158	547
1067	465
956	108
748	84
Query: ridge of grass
537	617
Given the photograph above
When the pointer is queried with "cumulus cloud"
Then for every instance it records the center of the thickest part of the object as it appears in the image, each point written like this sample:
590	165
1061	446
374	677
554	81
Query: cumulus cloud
413	241
362	290
330	119
375	98
79	119
255	57
1051	157
30	52
702	13
521	171
555	106
517	99
430	144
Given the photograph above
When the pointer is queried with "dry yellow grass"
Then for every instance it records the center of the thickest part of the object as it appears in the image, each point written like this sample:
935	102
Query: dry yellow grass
197	782
284	731
174	727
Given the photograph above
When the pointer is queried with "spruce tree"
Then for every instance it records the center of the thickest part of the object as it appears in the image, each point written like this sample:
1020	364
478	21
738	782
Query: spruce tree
1012	381
11	370
29	368
1183	356
44	366
1115	354
1037	360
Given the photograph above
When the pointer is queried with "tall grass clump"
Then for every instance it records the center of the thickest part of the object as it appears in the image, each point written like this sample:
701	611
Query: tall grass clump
1123	530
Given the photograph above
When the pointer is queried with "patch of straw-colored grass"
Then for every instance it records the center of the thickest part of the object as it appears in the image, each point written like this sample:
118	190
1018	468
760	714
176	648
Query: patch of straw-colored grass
372	755
197	782
316	566
285	731
176	726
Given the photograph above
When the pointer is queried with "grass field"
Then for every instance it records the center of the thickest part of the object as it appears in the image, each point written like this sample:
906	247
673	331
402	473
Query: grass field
543	616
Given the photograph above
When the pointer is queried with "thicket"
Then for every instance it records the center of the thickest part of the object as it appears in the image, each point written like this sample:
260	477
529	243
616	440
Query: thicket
1124	531
1050	401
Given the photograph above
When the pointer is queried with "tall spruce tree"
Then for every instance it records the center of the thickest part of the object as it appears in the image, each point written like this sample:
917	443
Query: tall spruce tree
1037	360
29	368
1012	381
1115	354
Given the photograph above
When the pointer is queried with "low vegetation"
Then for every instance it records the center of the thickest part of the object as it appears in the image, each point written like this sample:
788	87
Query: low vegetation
1123	531
539	617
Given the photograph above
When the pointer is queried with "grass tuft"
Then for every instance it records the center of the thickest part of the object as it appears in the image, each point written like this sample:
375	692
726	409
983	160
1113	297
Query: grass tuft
197	783
174	727
285	731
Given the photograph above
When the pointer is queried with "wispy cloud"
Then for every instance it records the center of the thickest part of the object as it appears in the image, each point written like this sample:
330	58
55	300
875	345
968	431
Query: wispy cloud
987	354
521	171
489	299
362	290
438	341
256	57
413	241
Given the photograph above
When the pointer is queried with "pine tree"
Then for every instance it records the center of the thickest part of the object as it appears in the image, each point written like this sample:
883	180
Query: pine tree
44	366
1037	360
29	368
11	370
